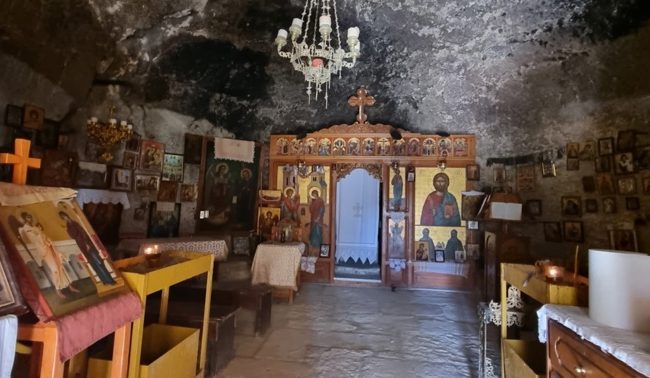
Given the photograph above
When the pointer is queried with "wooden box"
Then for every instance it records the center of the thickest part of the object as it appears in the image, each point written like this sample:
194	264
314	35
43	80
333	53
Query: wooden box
524	359
255	304
221	328
167	351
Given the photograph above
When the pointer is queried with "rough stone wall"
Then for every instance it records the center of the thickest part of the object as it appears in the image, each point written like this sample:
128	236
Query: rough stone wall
524	76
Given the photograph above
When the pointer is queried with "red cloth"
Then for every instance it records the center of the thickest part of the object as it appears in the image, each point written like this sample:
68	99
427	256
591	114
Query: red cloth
80	329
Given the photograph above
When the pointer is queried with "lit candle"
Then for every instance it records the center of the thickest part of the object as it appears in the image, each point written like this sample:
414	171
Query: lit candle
148	251
554	272
325	21
317	62
94	119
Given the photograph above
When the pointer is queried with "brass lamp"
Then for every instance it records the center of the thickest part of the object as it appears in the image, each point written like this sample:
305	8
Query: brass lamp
107	135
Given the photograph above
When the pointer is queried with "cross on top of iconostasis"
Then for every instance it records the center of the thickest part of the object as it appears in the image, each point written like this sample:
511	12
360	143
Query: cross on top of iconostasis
361	100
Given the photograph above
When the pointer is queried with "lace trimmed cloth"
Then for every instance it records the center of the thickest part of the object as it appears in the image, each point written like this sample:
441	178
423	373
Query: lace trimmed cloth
631	348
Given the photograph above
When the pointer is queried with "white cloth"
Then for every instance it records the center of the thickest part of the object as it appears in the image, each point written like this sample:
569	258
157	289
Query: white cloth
102	196
234	149
216	247
631	348
451	268
397	264
8	338
308	264
357	212
277	264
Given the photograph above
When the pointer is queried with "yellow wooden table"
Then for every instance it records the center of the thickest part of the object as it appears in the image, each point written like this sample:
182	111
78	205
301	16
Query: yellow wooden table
518	353
160	279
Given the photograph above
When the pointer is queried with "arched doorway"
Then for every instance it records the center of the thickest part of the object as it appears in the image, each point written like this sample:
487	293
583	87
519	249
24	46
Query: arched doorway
358	227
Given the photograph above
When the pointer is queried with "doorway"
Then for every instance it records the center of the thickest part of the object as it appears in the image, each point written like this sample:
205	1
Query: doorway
358	227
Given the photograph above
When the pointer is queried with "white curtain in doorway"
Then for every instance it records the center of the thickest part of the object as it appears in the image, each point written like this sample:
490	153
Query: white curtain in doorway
357	217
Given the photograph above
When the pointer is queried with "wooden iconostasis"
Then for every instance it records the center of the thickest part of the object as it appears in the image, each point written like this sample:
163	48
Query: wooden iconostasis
422	236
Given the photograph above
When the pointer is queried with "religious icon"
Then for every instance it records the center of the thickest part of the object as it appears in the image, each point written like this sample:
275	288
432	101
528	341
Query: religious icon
573	231
605	183
626	185
473	172
429	147
414	147
296	147
533	207
605	146
282	146
399	147
338	147
422	251
324	146
91	175
548	169
353	146
623	240
310	147
624	163
603	164
588	150
572	150
571	206
396	228
129	160
460	147
65	265
167	191
121	179
499	175
397	201
609	205
33	117
646	185
552	232
11	301
172	167
572	164
439	255
525	178
151	155
324	251
164	220
440	207
267	218
188	192
383	146
588	184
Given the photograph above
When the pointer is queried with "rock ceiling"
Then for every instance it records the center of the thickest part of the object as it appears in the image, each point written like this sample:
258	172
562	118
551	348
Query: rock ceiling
508	68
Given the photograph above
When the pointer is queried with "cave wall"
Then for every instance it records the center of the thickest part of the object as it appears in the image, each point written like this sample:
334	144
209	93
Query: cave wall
524	76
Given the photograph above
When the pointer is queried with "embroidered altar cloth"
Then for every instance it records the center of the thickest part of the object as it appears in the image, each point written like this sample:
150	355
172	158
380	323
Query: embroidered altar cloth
631	348
102	196
277	264
234	149
216	247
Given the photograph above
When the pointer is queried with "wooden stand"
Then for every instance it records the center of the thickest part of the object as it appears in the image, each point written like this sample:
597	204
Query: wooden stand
52	367
160	280
521	358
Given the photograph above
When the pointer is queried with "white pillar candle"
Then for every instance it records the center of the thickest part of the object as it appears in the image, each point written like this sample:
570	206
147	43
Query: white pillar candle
282	34
297	23
325	21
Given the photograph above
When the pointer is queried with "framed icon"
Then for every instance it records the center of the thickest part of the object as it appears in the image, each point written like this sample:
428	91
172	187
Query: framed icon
324	251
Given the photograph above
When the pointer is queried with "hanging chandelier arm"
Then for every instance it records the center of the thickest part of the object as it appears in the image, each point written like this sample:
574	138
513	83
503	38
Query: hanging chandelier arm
336	22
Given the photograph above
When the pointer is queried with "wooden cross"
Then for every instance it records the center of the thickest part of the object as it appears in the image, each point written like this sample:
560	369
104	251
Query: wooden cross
20	160
360	100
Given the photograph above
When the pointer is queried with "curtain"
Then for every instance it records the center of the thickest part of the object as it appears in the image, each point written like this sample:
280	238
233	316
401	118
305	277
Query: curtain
357	214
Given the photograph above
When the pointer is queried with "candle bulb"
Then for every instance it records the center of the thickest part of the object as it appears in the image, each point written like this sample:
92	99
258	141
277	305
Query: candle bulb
325	21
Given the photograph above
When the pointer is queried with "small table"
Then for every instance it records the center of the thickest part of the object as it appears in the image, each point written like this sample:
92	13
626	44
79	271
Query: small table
278	265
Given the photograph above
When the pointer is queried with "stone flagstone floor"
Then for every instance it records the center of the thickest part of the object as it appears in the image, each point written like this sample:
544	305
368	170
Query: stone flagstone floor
338	332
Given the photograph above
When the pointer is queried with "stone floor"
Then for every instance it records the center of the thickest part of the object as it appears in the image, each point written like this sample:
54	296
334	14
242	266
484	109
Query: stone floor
334	331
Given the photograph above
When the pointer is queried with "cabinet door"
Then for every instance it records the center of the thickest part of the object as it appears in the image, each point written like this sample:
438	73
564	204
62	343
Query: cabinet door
570	356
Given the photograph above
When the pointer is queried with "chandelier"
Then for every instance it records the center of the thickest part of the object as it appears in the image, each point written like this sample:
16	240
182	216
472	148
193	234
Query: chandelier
318	55
107	135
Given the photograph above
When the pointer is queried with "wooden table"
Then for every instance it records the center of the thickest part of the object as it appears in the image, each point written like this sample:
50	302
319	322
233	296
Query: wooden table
278	265
161	279
52	367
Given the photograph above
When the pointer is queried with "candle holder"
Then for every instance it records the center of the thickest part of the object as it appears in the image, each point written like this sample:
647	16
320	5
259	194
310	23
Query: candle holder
554	273
152	256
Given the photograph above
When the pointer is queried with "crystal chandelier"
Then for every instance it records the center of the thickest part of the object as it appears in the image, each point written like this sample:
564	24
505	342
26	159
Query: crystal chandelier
107	135
318	55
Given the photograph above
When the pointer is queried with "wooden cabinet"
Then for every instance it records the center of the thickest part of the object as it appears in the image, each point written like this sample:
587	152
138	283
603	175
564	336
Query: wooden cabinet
571	356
